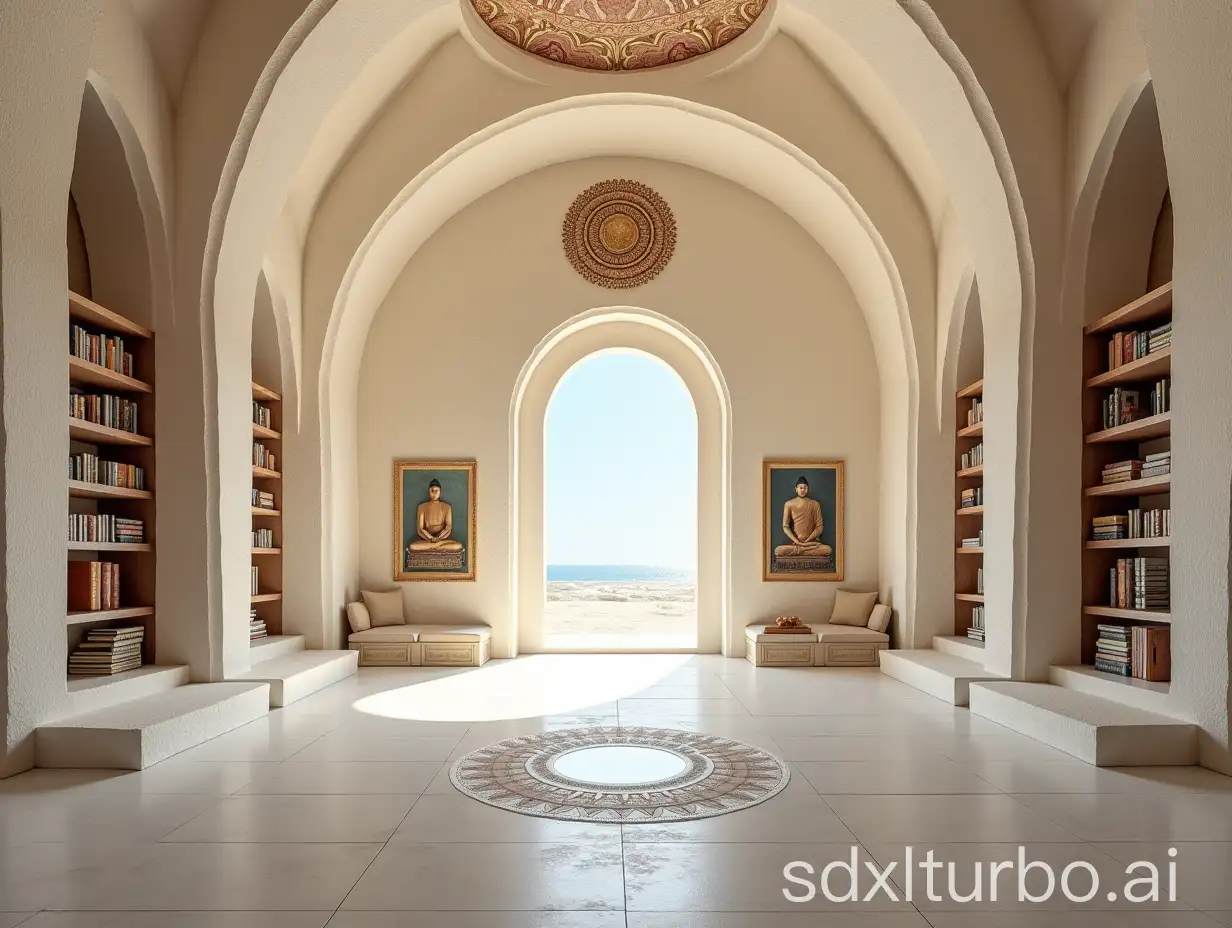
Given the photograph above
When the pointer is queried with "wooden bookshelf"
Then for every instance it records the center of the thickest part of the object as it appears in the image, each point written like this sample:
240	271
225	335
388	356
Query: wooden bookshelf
137	562
968	521
1148	432
266	600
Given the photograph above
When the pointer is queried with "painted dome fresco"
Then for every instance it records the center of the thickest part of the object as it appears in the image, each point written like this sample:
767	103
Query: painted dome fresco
618	35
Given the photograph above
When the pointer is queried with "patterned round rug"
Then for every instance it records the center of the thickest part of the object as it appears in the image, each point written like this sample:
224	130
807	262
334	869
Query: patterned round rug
627	775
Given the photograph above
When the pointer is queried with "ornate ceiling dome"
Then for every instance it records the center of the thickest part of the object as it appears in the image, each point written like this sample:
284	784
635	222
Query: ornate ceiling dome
618	35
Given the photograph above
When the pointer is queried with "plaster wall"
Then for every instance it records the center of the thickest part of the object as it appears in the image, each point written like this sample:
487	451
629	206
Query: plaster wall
1187	42
428	389
390	155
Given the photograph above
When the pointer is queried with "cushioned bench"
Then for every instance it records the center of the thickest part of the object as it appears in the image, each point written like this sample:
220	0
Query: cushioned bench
828	646
423	646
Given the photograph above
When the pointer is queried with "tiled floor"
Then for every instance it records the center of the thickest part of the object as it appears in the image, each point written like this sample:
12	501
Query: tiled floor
338	810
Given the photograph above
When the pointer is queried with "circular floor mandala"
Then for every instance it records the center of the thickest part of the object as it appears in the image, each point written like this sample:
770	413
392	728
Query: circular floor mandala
627	775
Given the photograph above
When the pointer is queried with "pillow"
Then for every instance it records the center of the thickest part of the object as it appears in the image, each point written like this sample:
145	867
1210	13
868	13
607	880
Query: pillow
879	621
384	608
852	608
357	615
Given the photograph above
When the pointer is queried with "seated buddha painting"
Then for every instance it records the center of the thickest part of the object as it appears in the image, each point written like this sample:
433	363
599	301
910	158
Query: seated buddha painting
802	520
434	520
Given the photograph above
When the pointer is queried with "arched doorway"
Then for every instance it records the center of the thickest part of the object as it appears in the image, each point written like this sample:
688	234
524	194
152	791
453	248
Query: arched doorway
649	335
620	506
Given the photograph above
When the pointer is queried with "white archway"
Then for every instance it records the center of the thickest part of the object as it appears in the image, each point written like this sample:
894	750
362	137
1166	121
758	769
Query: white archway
569	343
669	130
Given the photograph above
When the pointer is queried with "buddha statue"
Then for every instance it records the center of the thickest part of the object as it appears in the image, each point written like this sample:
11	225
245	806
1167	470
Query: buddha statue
803	525
434	525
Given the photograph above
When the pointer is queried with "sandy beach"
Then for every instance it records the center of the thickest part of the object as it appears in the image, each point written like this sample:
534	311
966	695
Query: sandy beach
608	607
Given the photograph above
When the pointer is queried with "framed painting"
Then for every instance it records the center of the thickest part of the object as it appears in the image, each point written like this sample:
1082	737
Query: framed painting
802	520
434	520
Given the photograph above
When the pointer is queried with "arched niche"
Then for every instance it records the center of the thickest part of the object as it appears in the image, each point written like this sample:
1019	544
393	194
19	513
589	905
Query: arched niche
579	338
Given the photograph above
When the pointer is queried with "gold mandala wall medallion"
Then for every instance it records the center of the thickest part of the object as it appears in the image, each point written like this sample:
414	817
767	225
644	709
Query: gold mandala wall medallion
619	234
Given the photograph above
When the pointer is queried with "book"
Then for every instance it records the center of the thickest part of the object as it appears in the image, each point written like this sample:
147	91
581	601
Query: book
1152	652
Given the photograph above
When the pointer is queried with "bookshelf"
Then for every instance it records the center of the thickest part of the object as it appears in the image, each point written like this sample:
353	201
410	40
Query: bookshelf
266	598
969	513
110	482
1126	475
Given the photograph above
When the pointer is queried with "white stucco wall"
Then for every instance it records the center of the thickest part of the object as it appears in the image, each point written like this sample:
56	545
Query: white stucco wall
808	390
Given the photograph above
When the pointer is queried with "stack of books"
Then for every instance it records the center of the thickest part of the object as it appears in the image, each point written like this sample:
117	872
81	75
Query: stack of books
1139	583
1121	472
1114	650
256	626
972	458
115	412
93	585
263	457
976	542
261	415
1121	407
1109	528
262	499
1152	651
1151	523
108	651
1158	464
975	415
105	529
1159	338
87	468
970	498
254	582
976	631
1125	347
104	350
262	538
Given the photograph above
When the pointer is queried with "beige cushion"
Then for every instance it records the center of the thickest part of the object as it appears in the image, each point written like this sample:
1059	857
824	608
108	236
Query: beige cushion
442	634
357	616
849	634
758	633
852	608
384	608
388	634
879	620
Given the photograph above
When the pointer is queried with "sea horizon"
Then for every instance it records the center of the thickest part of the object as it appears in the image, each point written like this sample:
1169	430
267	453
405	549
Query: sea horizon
612	573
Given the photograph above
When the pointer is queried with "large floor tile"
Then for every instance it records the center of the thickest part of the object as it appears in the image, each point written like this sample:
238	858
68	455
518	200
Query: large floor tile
940	819
180	920
176	777
118	818
260	819
775	920
1221	918
885	749
13	919
344	777
1154	817
414	877
914	777
228	877
1203	870
372	747
479	919
797	814
453	817
730	878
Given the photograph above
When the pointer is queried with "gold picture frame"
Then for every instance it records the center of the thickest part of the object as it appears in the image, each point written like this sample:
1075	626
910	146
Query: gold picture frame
821	553
432	539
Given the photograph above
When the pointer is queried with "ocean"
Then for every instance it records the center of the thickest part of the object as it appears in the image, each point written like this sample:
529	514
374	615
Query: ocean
614	573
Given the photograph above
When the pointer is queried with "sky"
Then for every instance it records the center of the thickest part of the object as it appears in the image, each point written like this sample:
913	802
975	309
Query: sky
621	465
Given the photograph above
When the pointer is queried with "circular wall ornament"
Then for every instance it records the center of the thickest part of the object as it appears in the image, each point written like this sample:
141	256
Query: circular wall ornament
619	234
621	775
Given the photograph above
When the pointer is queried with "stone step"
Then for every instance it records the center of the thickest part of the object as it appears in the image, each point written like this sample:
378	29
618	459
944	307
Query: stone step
938	674
1097	730
301	673
133	735
264	649
960	646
